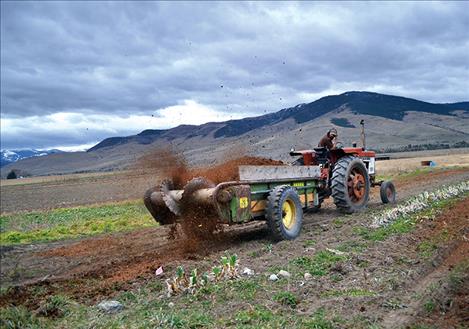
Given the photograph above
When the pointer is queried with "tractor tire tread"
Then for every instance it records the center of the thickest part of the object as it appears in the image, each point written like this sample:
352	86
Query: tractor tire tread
383	192
339	186
274	213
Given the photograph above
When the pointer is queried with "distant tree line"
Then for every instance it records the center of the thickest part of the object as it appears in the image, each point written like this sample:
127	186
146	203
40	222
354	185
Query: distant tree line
16	173
423	147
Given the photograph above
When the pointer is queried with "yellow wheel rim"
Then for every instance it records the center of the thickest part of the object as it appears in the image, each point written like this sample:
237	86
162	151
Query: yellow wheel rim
288	214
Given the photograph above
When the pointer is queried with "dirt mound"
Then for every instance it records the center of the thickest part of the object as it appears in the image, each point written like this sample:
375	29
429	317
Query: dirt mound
166	163
228	171
119	258
173	165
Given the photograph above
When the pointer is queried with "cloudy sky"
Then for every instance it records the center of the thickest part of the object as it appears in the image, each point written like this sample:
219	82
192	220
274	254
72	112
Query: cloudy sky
77	72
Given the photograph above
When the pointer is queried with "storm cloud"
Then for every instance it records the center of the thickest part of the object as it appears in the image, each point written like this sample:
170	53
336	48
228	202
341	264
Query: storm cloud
74	73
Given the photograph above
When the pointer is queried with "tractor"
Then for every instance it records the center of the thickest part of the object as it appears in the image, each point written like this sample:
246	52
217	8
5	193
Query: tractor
276	194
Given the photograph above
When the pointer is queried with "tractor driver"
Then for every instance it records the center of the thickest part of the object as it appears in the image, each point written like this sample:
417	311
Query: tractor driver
328	141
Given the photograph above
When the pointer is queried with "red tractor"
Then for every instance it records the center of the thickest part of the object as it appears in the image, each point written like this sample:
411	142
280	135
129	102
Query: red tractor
346	174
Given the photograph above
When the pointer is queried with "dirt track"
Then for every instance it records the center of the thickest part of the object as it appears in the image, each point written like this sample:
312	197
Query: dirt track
102	266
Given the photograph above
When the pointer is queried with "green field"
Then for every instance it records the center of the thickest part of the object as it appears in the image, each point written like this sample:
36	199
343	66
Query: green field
67	223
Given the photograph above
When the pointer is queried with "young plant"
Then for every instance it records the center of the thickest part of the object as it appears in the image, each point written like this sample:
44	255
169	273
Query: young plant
217	272
193	278
180	283
204	280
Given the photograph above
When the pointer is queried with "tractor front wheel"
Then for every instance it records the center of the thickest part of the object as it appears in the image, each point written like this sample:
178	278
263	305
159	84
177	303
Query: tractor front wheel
350	184
388	192
284	213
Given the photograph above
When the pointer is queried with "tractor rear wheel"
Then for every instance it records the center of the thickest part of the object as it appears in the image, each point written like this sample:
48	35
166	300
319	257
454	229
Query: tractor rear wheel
350	184
284	213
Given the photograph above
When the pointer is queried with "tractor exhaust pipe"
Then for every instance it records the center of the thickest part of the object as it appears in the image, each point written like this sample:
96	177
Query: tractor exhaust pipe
362	123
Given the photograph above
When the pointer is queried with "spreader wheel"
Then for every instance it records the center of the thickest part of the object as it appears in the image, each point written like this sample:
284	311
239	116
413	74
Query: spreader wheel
350	184
284	213
158	210
387	192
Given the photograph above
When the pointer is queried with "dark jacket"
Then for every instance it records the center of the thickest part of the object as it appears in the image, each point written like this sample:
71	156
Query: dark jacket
326	142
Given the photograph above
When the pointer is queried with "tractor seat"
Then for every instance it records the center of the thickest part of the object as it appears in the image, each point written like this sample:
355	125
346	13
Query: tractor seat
322	154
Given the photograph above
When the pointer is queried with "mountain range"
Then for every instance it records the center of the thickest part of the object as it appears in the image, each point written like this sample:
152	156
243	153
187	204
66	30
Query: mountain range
391	121
367	103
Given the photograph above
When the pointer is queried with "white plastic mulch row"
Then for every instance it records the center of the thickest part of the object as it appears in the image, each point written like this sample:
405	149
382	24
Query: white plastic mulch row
420	202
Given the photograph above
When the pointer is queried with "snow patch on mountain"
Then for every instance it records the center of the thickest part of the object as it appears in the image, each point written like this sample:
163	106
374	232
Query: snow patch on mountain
10	156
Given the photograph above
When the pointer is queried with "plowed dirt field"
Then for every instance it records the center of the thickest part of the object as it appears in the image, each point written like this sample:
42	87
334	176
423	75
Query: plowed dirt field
92	269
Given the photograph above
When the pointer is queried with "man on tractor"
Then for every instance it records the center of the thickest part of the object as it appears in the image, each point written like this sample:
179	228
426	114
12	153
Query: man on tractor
328	141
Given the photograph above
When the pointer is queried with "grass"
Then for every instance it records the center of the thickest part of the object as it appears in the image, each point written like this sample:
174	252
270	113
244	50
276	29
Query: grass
256	317
319	321
75	222
426	249
417	172
422	326
18	317
352	246
309	243
429	305
246	289
338	222
250	302
458	275
403	224
286	298
319	264
55	306
353	292
400	226
407	174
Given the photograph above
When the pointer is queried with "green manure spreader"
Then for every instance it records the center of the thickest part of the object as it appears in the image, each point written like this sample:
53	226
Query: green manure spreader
276	194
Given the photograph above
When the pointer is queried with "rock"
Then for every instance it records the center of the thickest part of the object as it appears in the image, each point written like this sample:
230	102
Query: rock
248	271
285	274
273	277
359	260
336	252
308	276
388	260
110	306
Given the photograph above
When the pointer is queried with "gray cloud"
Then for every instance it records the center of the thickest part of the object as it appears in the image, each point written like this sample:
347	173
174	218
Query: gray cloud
127	58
